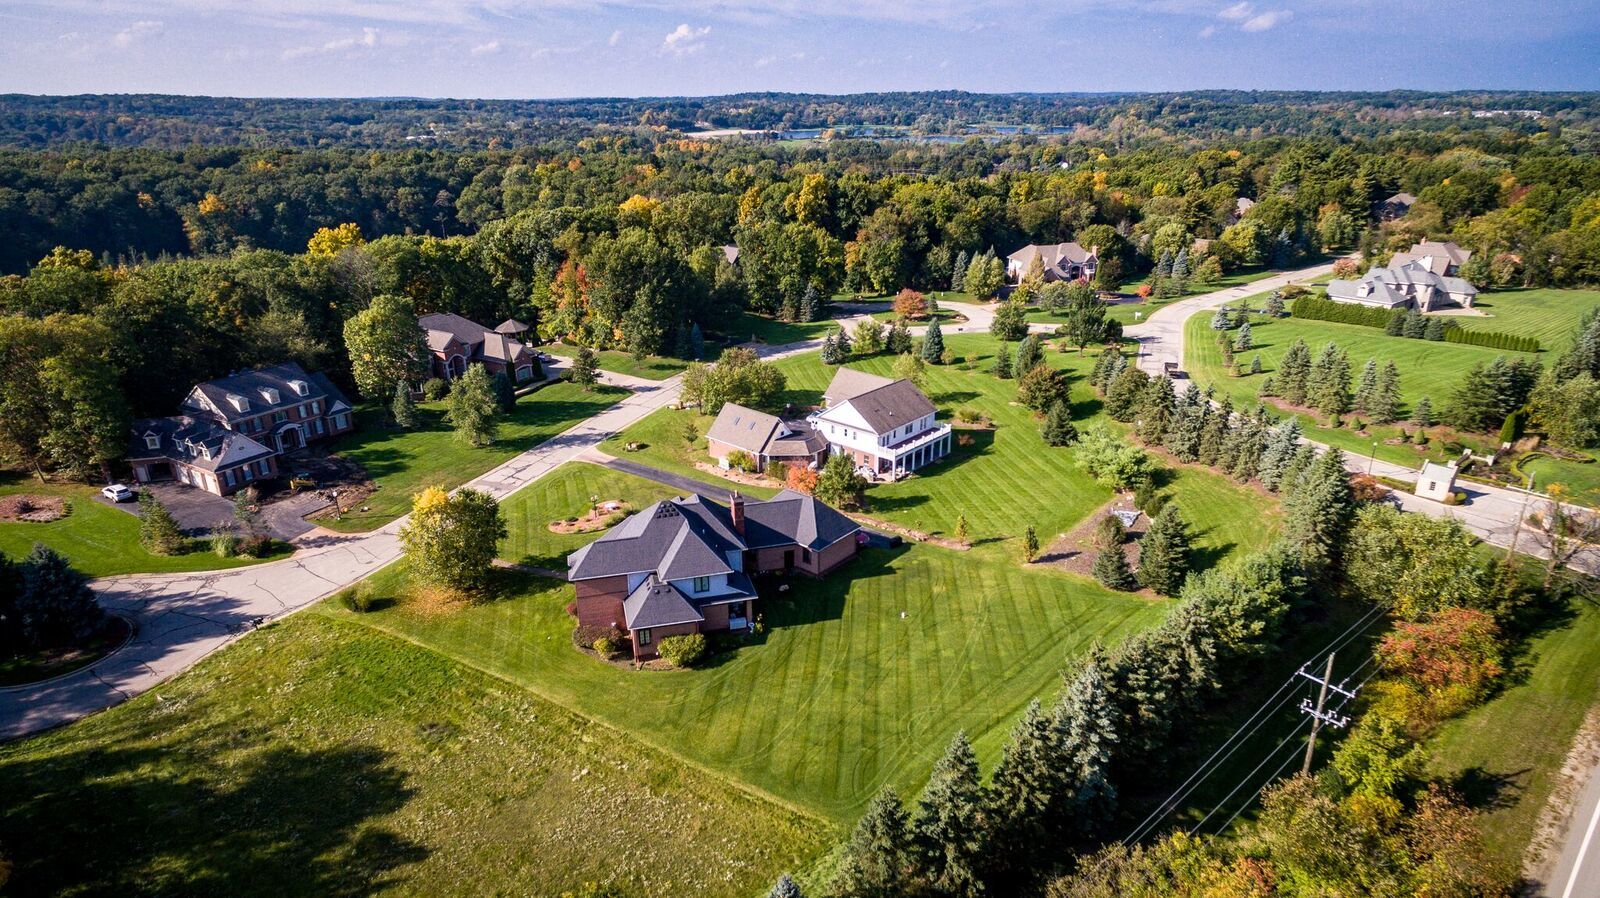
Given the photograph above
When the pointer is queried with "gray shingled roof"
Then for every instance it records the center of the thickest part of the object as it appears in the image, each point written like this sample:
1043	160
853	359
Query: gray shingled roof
657	604
223	448
849	383
798	518
249	384
744	428
893	405
480	342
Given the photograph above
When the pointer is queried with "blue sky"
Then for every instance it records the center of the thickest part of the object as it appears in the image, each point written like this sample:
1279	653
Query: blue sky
563	48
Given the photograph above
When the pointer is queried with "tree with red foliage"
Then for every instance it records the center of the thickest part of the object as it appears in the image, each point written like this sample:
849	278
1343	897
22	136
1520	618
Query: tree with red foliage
911	304
1440	666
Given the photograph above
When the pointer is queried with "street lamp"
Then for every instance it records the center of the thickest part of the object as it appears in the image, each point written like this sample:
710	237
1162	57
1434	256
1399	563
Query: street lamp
1371	456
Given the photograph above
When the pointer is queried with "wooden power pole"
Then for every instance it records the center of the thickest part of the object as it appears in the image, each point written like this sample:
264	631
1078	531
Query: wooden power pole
1320	715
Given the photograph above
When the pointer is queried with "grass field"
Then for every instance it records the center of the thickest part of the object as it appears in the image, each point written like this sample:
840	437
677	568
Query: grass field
318	757
99	540
749	327
1581	479
651	367
401	462
1550	315
1426	369
1506	754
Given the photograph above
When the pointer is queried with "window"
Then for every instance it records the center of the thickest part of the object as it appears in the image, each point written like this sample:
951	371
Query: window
338	422
152	441
805	555
702	584
264	467
280	417
317	426
248	474
644	636
316	407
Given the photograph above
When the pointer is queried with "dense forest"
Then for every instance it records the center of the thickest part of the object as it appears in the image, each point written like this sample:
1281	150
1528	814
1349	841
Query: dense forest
184	264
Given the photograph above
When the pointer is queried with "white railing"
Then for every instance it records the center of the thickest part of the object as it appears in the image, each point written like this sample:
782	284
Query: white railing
934	435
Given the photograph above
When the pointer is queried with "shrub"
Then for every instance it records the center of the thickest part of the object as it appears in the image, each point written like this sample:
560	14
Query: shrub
1147	498
358	598
683	651
741	461
224	544
1108	532
608	645
435	389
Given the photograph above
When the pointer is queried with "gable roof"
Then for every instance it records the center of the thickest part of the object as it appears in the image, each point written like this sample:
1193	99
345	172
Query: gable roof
1052	254
657	604
197	442
1435	256
797	518
216	397
887	406
1400	199
745	428
477	340
849	383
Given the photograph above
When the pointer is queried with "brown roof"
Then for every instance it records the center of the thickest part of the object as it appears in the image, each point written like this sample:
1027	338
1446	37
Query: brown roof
744	428
849	383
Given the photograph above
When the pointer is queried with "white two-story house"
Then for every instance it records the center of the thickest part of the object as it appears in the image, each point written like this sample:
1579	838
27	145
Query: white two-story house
887	426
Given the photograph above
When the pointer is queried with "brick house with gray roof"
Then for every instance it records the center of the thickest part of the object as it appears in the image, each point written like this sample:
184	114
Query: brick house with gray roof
230	432
684	565
456	342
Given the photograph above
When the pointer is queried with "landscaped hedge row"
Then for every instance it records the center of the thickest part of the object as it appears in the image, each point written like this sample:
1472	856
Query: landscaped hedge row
1316	308
1491	339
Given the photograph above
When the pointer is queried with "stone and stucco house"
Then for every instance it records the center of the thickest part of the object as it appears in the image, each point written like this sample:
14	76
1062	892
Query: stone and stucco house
767	438
887	427
456	342
1423	277
684	565
231	431
1059	261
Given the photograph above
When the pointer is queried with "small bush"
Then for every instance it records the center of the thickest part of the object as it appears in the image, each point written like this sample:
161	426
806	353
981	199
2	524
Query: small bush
1108	532
435	389
683	651
609	645
1148	499
224	544
741	461
358	598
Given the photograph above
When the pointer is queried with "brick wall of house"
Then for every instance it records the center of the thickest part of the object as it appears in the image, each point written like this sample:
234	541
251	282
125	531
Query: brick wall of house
832	556
657	634
599	601
716	618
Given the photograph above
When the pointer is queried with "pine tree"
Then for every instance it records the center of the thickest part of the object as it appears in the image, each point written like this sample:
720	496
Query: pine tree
1415	325
158	529
1030	352
55	605
1180	265
1030	544
1221	320
1274	306
1294	472
1255	364
1111	569
1125	394
1328	389
1269	387
1214	433
1282	444
842	344
1183	437
505	393
1002	362
1247	460
933	344
1164	265
1294	372
958	273
1026	788
785	887
1397	323
1164	552
1366	388
899	340
1318	512
947	830
1434	330
1244	340
1155	410
403	408
697	342
1058	429
877	859
810	304
1086	723
830	351
585	368
1422	413
1384	406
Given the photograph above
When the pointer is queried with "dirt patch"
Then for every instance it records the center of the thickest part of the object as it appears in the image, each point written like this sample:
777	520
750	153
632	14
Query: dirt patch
326	474
1075	550
432	601
920	536
599	517
29	508
737	476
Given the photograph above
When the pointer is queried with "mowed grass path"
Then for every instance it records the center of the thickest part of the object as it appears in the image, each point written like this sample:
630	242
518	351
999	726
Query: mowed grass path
402	462
99	540
317	757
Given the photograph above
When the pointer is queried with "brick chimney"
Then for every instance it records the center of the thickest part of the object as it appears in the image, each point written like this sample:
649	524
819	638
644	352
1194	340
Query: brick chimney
736	509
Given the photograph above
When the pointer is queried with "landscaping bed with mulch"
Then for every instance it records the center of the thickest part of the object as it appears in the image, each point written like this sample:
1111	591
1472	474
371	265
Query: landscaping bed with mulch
43	665
29	508
1075	550
601	516
748	479
333	473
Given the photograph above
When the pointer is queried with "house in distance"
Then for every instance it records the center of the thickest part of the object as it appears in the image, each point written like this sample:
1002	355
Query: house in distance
1424	277
456	342
1058	261
684	565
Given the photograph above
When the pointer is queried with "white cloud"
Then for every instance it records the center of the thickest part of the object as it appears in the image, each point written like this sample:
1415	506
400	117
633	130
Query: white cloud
366	40
683	40
1208	31
488	49
616	38
1237	12
136	32
1265	20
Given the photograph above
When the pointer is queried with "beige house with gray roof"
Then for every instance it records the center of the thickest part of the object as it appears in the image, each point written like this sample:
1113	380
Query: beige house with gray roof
766	438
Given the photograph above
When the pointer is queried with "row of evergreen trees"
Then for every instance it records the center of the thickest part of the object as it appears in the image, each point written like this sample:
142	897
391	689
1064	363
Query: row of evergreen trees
1408	323
837	346
1324	384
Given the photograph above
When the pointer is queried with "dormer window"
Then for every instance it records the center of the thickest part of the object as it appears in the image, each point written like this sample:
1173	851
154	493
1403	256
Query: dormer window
301	388
270	395
205	451
239	403
152	440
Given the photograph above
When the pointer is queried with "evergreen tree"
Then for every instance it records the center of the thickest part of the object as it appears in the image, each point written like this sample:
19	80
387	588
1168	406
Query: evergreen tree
1155	410
1111	569
1244	340
899	340
1422	413
1294	372
947	831
1434	330
830	351
1274	306
1086	723
1164	552
55	605
1183	437
1397	323
1126	393
1255	364
1180	265
1328	389
1058	429
1164	265
958	273
158	529
1269	387
1318	512
1294	472
403	408
1002	362
1366	388
505	394
933	344
877	859
1101	375
810	304
697	342
1221	320
1415	325
1384	406
1282	444
1030	352
1030	544
1010	321
785	887
585	370
1214	433
1025	790
1247	458
842	344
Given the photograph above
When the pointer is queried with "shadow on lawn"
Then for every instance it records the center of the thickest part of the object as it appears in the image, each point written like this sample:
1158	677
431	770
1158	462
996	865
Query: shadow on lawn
285	821
810	601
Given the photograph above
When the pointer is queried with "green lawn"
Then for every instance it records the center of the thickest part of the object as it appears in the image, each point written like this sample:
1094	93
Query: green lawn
402	462
1506	754
750	327
651	367
1550	315
318	757
1581	479
661	433
99	540
1426	369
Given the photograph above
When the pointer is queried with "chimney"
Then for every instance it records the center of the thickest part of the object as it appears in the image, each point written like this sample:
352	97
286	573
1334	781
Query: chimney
736	508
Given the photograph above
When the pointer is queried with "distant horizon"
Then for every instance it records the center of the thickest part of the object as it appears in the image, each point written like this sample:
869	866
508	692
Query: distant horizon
573	49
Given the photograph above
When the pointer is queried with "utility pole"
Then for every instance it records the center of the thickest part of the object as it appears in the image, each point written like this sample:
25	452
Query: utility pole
1522	513
1319	715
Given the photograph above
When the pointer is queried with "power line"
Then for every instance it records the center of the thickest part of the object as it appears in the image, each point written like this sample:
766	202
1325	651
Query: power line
1293	736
